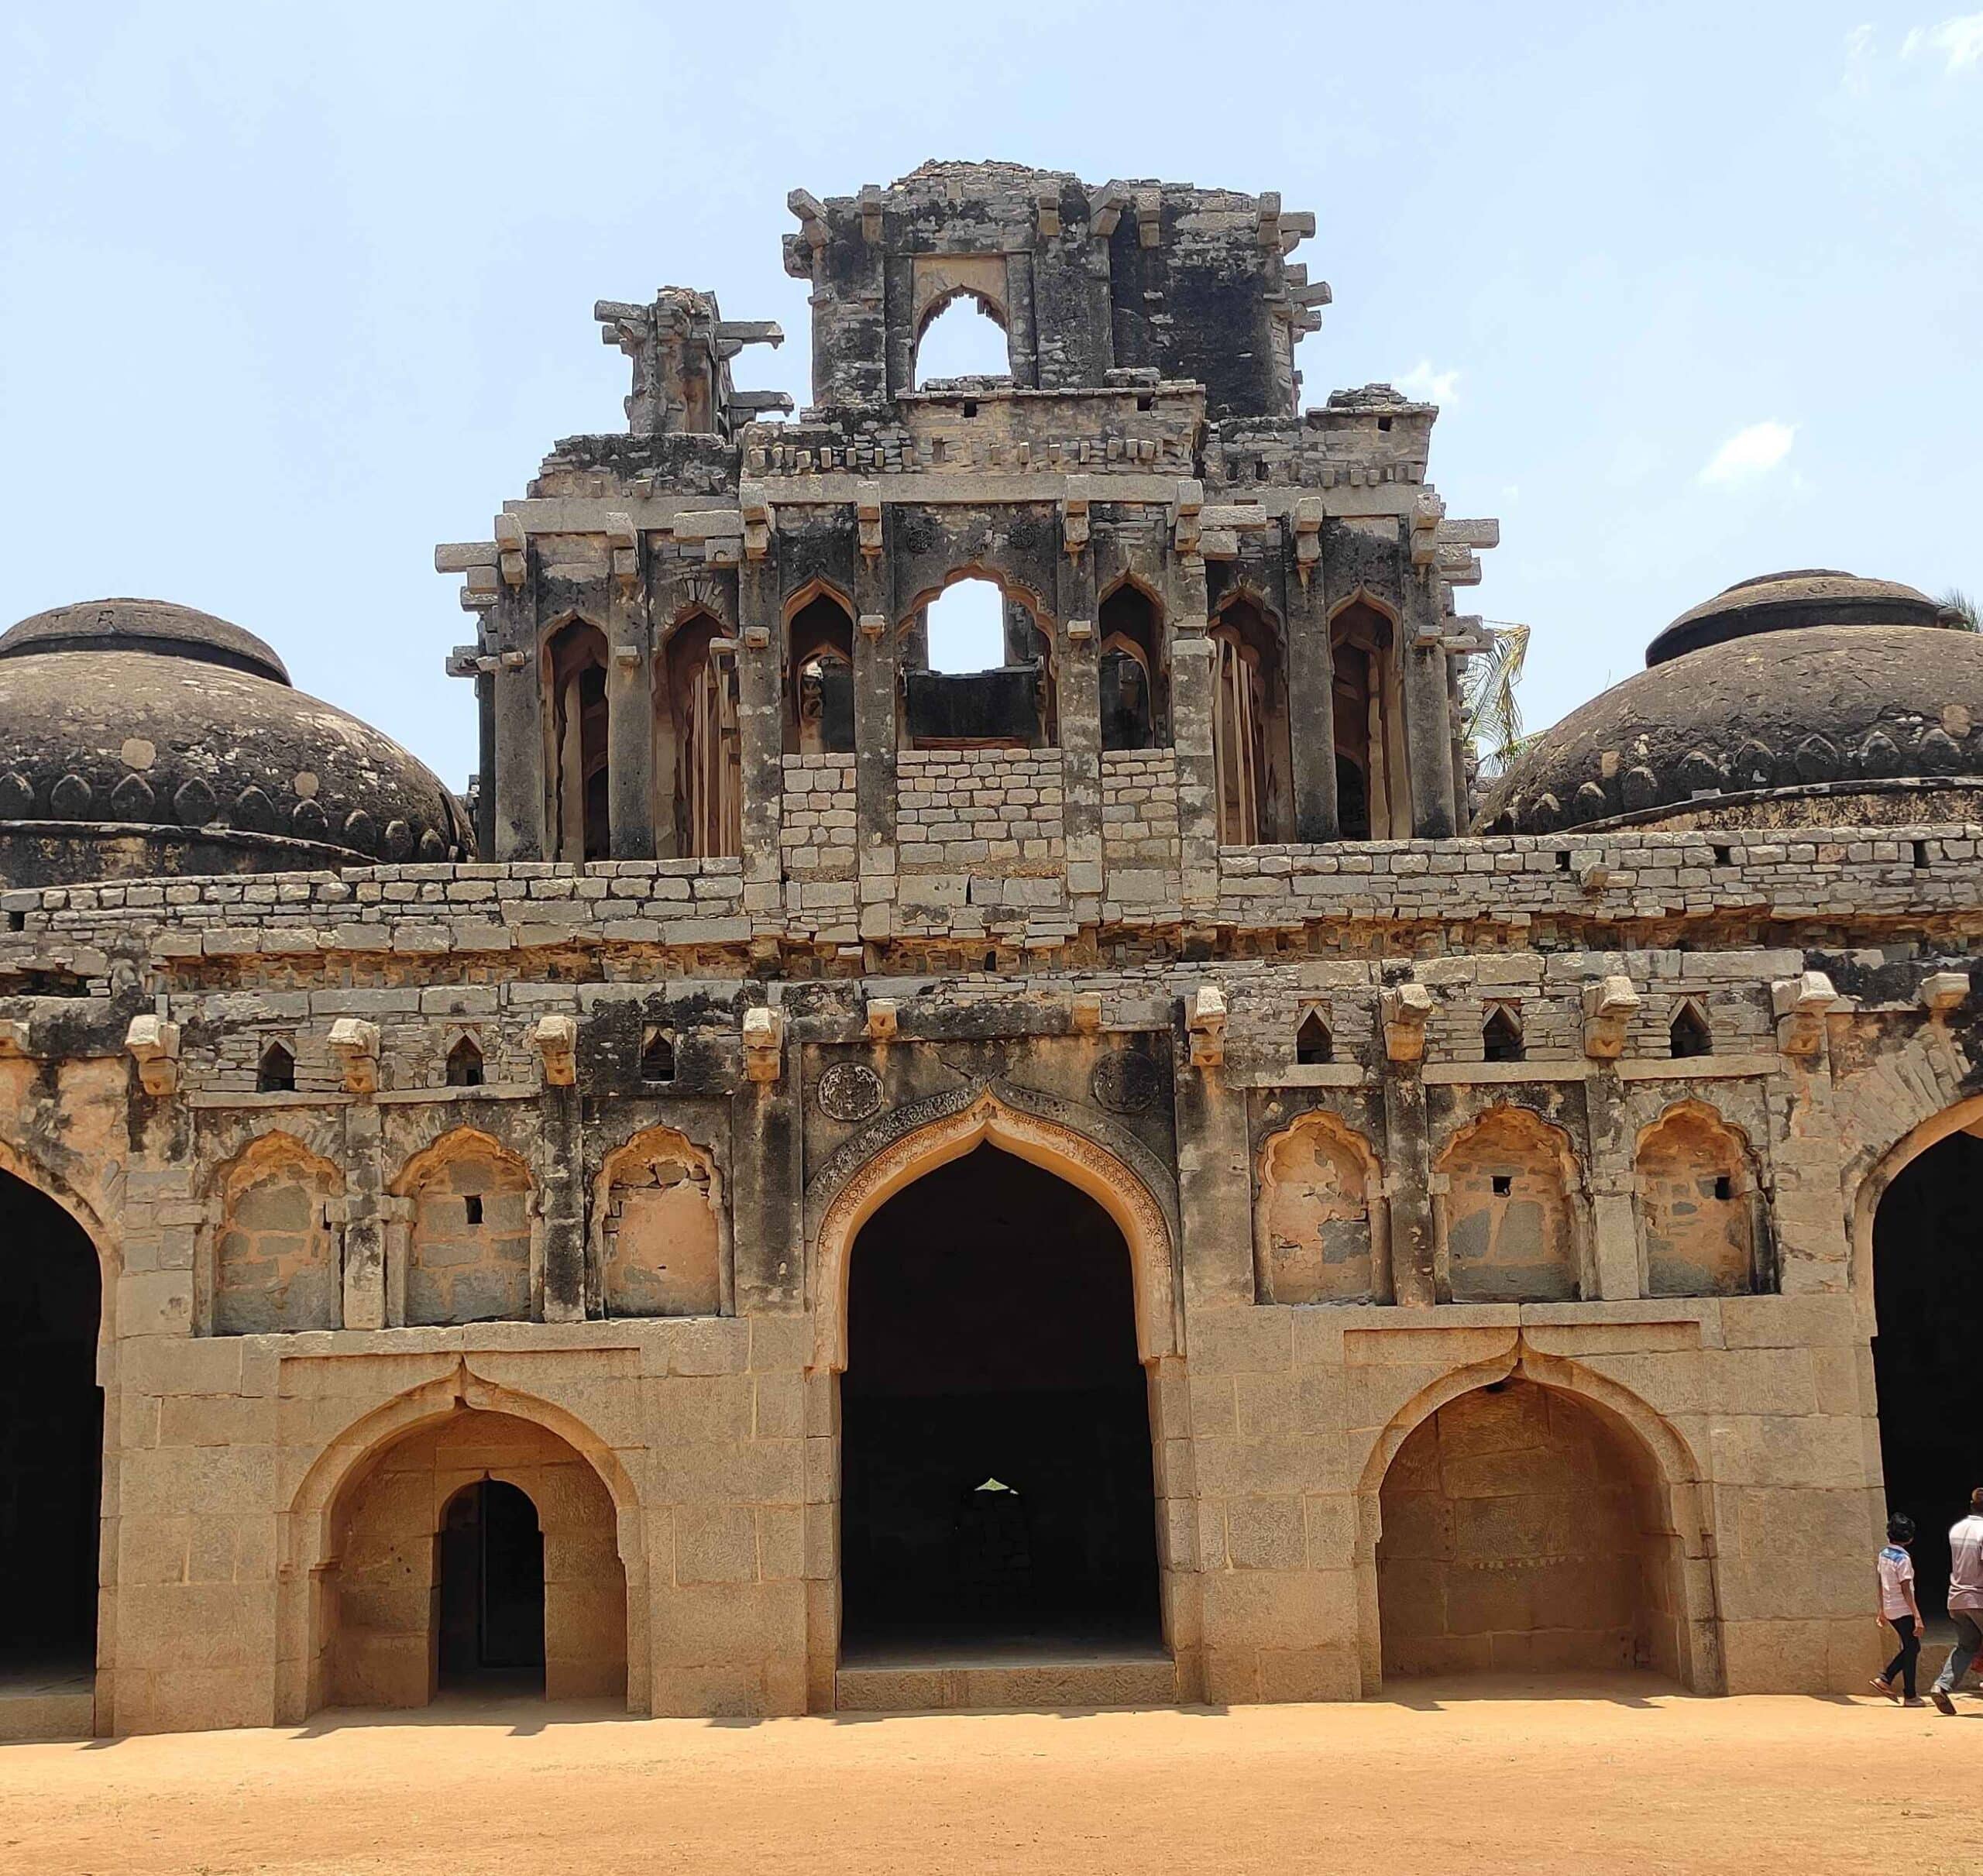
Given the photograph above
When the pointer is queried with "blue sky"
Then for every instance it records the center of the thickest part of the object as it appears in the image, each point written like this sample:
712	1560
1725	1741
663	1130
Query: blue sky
287	297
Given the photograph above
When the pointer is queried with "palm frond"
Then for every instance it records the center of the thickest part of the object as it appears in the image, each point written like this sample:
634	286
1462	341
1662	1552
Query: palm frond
1959	603
1492	718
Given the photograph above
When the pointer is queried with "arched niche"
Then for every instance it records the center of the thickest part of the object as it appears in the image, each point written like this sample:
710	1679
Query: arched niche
1252	755
468	1250
1509	1211
1135	676
273	1262
1320	1226
1701	1212
660	1230
576	741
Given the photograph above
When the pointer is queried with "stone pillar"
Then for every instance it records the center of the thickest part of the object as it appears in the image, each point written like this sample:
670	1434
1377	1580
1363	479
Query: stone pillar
1408	1187
1022	343
768	1235
1427	727
365	1224
629	716
760	735
1079	670
875	735
1614	1218
519	732
898	299
1312	704
1190	728
561	1184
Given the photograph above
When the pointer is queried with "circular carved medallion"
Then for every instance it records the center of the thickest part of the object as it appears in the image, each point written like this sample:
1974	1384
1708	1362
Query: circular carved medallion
1125	1083
850	1091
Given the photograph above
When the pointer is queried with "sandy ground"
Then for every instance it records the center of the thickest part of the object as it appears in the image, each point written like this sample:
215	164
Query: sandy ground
1457	1778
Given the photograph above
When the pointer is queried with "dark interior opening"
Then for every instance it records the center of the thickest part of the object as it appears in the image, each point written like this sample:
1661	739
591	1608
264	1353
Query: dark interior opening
1689	1035
996	1451
492	1590
51	1436
276	1073
1353	801
1313	1044
1500	1036
465	1064
1928	1297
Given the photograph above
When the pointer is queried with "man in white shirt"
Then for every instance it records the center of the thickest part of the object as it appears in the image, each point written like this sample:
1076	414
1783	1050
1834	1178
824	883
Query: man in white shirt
1965	1601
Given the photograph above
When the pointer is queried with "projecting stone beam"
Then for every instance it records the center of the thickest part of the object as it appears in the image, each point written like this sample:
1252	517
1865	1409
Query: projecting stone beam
459	556
750	331
759	401
1469	533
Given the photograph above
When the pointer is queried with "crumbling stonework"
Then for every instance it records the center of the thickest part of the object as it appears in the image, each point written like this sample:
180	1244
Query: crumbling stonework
1487	1220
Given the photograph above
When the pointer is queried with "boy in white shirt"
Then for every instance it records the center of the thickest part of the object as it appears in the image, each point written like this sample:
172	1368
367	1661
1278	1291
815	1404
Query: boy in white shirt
1965	1601
1897	1607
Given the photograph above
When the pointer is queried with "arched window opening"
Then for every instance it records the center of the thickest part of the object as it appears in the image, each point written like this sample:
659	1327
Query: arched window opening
276	1073
657	1055
1135	700
492	1590
1690	1034
1249	736
1313	1044
992	1337
1501	1035
819	710
576	718
51	1447
1928	1299
465	1064
980	674
703	741
1697	1204
962	339
1560	1553
1372	800
469	1244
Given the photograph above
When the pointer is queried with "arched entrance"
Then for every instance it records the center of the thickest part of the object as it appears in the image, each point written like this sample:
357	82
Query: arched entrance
1928	1310
477	1550
996	1484
51	1441
1526	1529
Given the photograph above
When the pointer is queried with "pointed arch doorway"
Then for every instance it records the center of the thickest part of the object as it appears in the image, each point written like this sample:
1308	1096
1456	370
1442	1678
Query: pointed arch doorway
997	1486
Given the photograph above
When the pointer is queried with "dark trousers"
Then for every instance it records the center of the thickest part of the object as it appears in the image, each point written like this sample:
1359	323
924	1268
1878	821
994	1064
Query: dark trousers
1903	1663
1968	1646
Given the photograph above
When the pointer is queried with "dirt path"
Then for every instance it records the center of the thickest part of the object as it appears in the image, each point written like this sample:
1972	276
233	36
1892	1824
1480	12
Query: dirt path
1608	1780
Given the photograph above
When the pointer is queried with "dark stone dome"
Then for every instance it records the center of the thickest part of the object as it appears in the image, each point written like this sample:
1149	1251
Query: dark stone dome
1803	698
140	738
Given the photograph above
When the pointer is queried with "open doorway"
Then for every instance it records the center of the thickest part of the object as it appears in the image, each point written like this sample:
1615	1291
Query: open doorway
51	1442
1928	1302
492	1590
997	1489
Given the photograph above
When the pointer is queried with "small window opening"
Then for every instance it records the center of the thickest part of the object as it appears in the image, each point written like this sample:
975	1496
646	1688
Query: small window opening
971	406
1725	1187
1313	1044
1563	860
1504	1184
276	1074
991	963
657	1056
1383	423
1260	470
1724	856
1920	853
465	1064
472	1207
1501	1035
17	921
1690	1034
1145	401
965	627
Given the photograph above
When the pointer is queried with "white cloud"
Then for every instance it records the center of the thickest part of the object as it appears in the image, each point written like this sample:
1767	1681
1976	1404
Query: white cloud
1749	453
1959	39
1428	387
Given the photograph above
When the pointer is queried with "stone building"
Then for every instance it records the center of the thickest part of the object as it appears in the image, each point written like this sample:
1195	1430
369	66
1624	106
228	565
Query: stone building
1080	1181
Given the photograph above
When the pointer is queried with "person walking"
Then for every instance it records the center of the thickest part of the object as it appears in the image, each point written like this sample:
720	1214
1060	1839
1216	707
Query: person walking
1965	1601
1898	1607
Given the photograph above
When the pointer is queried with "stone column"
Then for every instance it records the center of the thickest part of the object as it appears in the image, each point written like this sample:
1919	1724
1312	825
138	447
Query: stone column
1427	727
1079	670
1614	1218
1311	703
875	735
767	1236
562	1203
519	735
1022	344
1190	733
365	1224
629	714
760	736
1408	1187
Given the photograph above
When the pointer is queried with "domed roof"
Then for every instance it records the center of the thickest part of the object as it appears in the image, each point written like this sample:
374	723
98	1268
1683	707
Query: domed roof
143	625
141	738
1786	695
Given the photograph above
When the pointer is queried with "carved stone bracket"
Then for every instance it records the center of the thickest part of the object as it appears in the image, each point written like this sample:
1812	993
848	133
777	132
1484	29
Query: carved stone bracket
1609	1006
153	1043
354	1044
1405	1008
